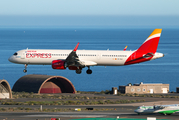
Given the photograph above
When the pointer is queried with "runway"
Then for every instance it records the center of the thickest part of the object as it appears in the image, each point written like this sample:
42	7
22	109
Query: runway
123	112
101	110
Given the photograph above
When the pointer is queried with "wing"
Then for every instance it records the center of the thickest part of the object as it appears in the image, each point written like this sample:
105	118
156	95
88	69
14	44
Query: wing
73	60
88	63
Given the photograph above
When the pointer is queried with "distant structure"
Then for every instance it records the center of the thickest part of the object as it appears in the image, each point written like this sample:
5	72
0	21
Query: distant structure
177	89
5	90
145	88
114	90
43	84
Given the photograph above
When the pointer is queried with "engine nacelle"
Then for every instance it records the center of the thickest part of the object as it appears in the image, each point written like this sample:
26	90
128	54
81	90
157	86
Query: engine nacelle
58	64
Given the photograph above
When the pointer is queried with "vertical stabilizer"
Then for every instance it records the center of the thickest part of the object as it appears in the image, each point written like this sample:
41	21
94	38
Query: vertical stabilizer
151	43
147	50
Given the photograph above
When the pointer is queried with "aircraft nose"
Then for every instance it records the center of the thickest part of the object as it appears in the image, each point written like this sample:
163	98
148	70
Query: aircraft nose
10	59
136	111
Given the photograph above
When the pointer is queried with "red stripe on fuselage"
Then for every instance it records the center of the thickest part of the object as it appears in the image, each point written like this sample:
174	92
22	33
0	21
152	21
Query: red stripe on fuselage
136	58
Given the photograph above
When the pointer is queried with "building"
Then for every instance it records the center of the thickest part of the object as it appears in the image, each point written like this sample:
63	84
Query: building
5	90
114	90
145	88
43	84
177	89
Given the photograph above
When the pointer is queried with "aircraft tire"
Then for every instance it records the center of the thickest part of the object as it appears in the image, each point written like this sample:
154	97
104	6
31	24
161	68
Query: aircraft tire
89	71
24	70
78	71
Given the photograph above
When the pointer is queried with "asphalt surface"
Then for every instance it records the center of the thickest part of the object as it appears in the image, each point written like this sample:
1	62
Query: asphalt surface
77	115
121	110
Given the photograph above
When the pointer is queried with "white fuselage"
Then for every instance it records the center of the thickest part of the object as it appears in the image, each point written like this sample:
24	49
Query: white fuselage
89	57
164	109
79	59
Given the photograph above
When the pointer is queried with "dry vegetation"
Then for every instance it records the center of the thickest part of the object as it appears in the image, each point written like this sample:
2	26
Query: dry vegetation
82	98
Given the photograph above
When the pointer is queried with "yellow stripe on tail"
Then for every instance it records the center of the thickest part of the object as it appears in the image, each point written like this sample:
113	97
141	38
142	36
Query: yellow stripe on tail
156	31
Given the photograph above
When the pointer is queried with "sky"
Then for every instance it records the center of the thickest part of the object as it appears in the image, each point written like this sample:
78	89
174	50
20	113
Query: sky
89	12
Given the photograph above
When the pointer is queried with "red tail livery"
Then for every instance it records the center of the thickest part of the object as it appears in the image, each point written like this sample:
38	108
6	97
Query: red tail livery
147	50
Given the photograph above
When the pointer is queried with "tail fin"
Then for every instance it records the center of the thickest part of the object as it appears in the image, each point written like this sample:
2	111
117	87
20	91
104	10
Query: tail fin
147	50
125	48
151	43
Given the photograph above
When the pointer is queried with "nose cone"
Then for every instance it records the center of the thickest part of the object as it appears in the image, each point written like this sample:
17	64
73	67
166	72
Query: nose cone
11	59
138	111
135	111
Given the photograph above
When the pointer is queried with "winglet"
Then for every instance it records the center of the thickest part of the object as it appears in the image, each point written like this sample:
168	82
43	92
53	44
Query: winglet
76	47
125	48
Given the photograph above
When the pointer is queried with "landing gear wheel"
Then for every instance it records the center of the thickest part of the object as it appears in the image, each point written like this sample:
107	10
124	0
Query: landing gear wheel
24	70
89	71
78	71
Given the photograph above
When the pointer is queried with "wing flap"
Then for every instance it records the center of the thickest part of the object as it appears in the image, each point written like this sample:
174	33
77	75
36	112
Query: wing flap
88	63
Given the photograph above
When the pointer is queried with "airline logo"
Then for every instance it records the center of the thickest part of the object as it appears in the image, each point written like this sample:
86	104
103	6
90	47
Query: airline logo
151	43
33	54
147	50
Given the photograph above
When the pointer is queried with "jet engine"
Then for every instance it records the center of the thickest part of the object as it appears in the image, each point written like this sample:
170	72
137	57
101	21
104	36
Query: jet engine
58	64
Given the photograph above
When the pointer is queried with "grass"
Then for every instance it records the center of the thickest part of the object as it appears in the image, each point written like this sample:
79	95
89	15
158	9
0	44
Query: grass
17	95
68	102
61	99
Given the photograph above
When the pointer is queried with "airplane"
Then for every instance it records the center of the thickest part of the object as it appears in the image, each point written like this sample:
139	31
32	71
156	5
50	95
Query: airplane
162	109
79	59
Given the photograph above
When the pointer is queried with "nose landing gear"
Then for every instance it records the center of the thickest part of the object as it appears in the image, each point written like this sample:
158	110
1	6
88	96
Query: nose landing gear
25	70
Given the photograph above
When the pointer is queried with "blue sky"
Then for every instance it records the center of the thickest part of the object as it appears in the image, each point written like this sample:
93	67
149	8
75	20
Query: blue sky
89	12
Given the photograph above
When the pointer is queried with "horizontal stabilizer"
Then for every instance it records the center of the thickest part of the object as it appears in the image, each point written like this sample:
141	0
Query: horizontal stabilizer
148	55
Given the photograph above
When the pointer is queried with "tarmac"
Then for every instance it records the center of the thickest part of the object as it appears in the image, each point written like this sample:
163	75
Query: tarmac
117	110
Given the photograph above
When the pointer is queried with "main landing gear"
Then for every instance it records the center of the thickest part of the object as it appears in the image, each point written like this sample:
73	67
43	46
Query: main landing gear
89	71
25	70
79	70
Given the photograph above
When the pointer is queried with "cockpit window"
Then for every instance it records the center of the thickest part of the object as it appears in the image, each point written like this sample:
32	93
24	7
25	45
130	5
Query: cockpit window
15	54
